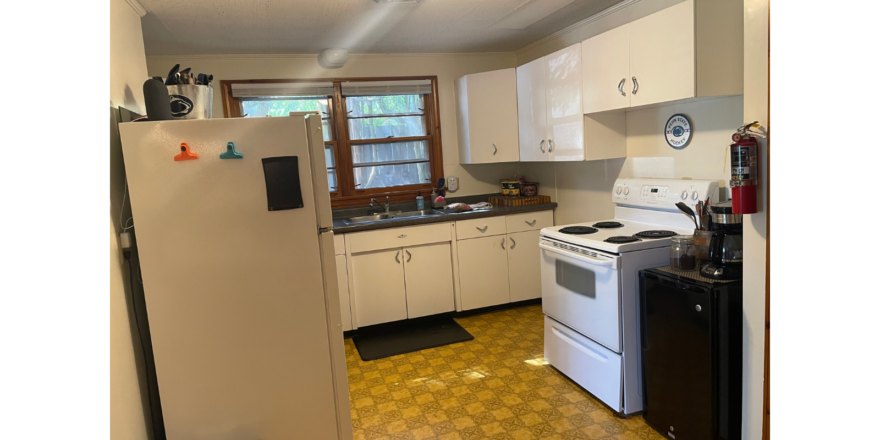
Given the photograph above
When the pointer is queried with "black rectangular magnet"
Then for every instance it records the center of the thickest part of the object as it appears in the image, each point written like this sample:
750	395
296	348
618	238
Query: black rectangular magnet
282	183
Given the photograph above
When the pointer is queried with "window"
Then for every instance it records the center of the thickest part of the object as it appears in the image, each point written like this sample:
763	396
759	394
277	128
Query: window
381	136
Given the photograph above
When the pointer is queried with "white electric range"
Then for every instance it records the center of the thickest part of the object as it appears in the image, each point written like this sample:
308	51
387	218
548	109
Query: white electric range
589	284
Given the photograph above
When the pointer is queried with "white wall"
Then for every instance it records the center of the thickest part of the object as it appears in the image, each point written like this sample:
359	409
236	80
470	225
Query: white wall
128	70
756	102
473	179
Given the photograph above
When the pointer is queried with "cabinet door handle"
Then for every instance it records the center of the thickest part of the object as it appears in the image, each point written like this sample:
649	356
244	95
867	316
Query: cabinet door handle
541	146
496	149
502	244
620	86
401	236
531	223
512	241
397	257
483	229
550	143
408	256
635	85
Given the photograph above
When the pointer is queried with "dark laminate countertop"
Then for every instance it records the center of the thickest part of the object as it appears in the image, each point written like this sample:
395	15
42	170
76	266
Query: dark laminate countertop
340	227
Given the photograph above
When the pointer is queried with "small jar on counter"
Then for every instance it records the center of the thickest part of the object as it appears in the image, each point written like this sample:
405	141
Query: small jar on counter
682	253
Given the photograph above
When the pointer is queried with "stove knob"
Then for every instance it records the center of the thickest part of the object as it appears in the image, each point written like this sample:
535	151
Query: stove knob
684	195
625	191
695	195
619	190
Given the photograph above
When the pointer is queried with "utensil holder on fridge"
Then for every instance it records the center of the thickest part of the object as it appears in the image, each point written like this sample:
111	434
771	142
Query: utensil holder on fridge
190	101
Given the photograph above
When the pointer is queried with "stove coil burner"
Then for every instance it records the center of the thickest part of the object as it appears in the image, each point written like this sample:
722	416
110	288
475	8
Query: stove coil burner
608	225
656	234
578	230
620	239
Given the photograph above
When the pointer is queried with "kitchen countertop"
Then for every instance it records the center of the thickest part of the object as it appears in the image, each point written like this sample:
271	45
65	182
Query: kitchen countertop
340	227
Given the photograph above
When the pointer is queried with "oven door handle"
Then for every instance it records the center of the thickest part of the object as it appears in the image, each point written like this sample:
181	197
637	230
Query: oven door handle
579	257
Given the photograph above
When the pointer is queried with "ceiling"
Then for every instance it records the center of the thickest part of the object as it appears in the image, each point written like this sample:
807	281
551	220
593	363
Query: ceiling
173	27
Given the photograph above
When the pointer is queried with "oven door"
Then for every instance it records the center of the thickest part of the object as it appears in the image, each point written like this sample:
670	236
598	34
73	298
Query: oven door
581	289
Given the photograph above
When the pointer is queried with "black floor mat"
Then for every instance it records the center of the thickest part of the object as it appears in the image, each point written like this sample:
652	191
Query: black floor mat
408	338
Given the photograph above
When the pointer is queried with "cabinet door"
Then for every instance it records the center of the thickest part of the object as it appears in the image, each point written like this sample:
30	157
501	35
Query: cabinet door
494	136
428	273
344	301
531	103
605	59
565	116
482	266
524	265
661	55
379	290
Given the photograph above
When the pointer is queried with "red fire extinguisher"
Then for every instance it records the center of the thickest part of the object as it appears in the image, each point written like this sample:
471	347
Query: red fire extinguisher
744	170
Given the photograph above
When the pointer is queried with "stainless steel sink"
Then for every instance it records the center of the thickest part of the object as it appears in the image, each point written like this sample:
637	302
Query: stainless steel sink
391	215
424	212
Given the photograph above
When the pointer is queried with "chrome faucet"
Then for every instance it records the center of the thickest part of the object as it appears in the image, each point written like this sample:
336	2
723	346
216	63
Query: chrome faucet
387	204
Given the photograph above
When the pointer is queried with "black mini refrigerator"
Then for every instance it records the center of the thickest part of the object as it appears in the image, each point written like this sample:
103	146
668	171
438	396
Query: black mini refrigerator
691	331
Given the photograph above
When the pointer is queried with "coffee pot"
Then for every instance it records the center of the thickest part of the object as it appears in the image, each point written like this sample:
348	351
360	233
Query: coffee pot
726	246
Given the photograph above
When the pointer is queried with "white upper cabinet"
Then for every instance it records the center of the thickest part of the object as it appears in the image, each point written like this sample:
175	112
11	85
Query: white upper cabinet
693	49
661	56
549	107
487	121
606	71
531	103
565	120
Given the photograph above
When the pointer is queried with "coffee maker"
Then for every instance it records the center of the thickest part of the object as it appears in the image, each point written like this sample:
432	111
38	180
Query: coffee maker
726	246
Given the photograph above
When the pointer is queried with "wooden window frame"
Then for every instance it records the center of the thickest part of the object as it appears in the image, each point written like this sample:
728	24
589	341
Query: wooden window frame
347	195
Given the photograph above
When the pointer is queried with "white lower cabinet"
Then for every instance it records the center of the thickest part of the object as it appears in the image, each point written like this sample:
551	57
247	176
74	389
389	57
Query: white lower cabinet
524	265
482	266
404	273
428	274
344	300
379	287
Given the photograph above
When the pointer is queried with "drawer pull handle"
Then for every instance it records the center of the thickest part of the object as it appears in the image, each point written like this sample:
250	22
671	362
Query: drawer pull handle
483	229
502	244
408	256
620	87
496	149
541	146
397	257
531	223
401	236
514	243
635	86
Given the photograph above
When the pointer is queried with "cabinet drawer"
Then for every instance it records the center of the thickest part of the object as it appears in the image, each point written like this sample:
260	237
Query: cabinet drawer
398	237
480	227
529	221
589	364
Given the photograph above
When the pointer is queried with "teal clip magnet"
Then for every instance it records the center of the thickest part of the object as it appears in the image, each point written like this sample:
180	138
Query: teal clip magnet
231	153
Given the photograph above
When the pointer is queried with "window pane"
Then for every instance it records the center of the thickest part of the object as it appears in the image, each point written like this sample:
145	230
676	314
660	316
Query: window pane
282	106
384	105
392	175
389	152
331	179
329	157
381	128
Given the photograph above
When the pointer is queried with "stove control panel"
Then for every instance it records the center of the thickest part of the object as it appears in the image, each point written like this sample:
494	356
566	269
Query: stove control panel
663	193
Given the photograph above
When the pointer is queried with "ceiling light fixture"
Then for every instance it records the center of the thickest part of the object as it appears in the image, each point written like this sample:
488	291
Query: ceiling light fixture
332	58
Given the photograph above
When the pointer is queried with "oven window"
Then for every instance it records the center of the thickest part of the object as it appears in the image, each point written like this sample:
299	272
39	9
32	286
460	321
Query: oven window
577	279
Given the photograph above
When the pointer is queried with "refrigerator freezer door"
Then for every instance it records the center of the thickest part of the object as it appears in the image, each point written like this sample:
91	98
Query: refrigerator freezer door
319	168
234	292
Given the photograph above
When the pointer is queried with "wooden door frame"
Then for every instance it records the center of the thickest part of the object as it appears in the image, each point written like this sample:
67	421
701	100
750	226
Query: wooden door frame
768	328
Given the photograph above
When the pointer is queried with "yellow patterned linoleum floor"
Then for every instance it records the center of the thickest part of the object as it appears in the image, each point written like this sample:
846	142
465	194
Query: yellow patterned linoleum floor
496	386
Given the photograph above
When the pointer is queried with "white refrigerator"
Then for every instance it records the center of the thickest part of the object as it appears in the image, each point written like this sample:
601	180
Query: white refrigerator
239	277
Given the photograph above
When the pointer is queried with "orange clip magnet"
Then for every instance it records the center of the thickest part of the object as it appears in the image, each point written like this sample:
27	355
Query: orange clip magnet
185	153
